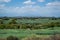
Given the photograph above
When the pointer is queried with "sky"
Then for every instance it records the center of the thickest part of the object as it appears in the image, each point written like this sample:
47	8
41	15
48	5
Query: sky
30	8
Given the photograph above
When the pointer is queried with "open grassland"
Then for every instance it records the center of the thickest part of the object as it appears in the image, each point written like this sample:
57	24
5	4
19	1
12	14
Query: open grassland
31	21
27	32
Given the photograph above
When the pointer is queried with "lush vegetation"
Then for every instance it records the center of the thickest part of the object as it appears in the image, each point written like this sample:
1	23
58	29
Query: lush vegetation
26	32
31	23
29	28
34	37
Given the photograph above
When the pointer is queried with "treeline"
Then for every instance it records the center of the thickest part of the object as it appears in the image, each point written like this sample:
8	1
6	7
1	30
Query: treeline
30	17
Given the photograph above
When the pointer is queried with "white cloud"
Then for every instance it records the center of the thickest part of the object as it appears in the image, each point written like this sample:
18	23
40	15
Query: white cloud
29	2
2	6
21	10
51	9
54	8
5	0
53	4
41	0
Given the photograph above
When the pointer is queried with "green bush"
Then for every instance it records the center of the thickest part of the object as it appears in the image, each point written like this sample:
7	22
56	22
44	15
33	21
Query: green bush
12	38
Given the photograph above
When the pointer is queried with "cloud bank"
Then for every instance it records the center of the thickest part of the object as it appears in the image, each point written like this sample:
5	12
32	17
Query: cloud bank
50	9
5	0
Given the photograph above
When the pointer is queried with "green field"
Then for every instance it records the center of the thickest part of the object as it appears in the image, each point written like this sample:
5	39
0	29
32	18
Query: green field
43	21
26	32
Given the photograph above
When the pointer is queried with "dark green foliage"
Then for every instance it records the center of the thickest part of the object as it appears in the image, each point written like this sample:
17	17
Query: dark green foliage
12	38
2	26
13	21
31	23
1	21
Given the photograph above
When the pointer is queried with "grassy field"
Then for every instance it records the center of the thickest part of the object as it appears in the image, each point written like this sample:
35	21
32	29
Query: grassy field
21	33
43	21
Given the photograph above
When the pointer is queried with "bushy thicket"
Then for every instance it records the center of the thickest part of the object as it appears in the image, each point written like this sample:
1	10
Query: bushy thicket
13	24
30	26
12	38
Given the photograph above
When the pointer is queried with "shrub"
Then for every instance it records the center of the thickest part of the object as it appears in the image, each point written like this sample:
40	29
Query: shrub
12	38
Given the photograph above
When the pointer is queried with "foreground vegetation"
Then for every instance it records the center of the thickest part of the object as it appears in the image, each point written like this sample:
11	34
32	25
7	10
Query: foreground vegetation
34	37
25	32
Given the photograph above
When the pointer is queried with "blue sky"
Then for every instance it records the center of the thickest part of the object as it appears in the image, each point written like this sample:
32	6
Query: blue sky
30	8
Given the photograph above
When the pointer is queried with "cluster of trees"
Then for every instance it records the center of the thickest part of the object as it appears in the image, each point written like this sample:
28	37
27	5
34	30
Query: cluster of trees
14	25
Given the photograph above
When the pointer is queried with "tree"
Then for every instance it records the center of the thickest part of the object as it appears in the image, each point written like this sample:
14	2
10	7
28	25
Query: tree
13	21
1	21
12	38
52	24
